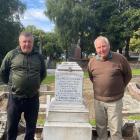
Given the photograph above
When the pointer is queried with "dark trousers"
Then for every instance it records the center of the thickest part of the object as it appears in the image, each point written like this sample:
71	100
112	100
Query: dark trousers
16	106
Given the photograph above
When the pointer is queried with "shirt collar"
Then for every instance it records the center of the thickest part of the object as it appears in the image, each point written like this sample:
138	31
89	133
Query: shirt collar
108	57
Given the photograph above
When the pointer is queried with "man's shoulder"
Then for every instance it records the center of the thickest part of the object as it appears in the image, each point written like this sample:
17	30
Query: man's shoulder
118	55
11	54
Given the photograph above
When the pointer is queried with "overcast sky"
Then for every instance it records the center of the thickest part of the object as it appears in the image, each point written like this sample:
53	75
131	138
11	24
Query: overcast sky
34	15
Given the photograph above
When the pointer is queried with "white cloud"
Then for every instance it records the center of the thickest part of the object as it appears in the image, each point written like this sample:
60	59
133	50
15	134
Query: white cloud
35	14
36	17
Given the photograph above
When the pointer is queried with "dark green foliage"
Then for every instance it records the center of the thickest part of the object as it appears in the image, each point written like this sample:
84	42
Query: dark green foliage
10	25
116	19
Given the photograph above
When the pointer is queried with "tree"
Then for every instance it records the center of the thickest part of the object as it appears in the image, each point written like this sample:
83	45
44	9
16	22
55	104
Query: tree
116	19
130	21
135	41
10	26
72	18
52	48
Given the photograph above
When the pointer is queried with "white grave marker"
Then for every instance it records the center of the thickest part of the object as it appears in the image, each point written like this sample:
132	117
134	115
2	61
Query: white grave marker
69	83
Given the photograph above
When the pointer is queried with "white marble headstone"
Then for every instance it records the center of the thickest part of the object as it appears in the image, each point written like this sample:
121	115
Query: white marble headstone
68	83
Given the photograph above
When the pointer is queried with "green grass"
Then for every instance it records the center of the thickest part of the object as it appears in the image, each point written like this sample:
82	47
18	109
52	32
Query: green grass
92	122
49	79
135	71
41	121
86	74
134	117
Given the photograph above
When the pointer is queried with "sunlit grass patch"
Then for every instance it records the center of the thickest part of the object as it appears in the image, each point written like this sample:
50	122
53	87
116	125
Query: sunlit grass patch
49	79
92	122
135	71
134	117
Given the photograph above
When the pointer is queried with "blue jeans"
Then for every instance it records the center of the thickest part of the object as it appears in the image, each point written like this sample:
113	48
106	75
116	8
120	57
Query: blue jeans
30	107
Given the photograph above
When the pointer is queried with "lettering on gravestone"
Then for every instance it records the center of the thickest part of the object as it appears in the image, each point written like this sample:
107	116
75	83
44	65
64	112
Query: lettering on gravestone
69	86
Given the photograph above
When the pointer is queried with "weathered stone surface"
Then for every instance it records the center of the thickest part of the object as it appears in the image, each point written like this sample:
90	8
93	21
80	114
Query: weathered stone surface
66	131
130	105
134	90
67	113
69	83
3	123
67	117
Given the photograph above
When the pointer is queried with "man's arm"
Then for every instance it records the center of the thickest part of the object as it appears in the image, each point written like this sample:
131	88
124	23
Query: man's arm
5	69
43	68
89	71
126	70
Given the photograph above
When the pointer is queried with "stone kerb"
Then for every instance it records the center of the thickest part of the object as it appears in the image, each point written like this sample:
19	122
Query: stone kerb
134	90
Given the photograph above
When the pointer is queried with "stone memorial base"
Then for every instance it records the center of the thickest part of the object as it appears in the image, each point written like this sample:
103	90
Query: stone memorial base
66	112
66	131
67	122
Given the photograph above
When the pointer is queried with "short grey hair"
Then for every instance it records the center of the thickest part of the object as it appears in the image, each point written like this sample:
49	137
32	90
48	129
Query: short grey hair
103	38
26	34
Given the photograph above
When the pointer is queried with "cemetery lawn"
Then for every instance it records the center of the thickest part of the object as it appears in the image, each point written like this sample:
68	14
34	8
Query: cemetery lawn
131	117
135	71
134	117
51	78
88	96
92	122
40	121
